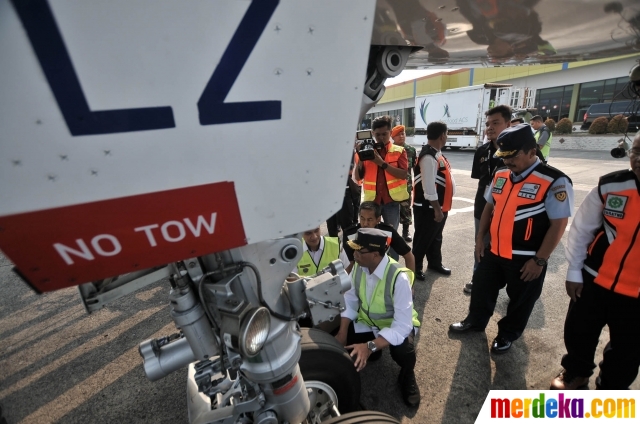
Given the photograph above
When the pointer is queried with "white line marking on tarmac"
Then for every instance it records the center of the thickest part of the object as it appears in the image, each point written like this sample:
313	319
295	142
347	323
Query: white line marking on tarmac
461	210
461	172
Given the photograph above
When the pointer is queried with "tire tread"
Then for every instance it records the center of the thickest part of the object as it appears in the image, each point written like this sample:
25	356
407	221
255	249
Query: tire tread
362	417
324	359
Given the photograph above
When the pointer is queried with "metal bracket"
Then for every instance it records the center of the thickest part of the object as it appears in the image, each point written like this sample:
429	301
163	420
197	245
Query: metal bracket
325	292
97	294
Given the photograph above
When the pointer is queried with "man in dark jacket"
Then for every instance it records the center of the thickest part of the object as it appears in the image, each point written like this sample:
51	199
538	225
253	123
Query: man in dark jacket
485	164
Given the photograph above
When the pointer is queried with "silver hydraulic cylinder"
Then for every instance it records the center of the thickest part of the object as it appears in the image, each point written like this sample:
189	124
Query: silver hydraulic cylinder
161	360
163	356
190	317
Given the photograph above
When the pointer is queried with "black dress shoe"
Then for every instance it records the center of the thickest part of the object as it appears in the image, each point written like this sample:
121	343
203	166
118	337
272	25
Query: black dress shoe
463	326
468	287
420	276
568	381
500	345
409	388
440	270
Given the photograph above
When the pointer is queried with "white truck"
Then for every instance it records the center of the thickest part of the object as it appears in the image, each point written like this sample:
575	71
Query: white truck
462	109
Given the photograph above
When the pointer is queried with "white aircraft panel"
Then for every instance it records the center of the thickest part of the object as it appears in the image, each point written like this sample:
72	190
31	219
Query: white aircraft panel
286	173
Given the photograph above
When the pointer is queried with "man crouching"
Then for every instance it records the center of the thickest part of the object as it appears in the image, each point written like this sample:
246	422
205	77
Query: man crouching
379	310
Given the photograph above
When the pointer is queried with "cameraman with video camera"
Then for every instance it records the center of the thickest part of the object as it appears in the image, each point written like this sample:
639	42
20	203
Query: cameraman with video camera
383	168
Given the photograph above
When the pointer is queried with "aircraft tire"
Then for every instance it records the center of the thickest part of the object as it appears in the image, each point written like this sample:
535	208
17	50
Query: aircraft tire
326	362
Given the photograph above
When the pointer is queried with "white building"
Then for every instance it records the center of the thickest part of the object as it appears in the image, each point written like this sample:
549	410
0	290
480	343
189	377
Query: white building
563	90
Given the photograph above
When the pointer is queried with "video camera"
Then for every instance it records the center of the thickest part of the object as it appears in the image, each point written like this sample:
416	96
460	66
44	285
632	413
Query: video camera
366	145
620	151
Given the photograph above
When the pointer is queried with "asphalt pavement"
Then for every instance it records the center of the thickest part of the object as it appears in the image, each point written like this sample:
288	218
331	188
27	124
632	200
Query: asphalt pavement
59	364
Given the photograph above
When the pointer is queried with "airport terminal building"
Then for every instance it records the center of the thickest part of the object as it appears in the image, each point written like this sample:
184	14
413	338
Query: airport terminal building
563	90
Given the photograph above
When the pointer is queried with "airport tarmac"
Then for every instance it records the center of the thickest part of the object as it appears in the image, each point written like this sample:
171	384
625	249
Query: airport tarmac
58	364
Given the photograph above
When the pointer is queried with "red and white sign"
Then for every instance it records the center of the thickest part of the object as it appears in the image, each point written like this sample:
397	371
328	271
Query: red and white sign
71	245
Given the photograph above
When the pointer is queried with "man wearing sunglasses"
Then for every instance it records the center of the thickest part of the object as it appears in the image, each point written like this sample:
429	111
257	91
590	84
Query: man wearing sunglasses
379	310
527	210
603	281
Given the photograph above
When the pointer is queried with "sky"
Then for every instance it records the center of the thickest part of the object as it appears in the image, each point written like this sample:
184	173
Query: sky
412	74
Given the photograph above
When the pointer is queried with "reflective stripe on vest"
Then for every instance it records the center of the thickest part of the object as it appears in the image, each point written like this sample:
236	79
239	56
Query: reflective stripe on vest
614	254
519	222
444	185
547	145
330	253
397	187
380	313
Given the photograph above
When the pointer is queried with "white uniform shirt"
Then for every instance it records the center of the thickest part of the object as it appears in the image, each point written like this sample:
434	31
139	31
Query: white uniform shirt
587	221
428	172
317	255
402	304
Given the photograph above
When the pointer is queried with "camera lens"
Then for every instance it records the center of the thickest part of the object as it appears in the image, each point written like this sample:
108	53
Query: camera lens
618	152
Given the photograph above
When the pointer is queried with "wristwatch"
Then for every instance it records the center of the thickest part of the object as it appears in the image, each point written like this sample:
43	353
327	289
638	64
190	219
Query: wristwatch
372	346
539	261
384	165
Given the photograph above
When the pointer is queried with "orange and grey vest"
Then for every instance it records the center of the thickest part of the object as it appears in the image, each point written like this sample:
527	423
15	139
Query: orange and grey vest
444	186
397	186
520	221
330	253
613	257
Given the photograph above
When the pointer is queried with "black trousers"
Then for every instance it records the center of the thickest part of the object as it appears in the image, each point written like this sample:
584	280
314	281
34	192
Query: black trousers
405	212
494	273
427	237
354	194
344	218
403	354
595	308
